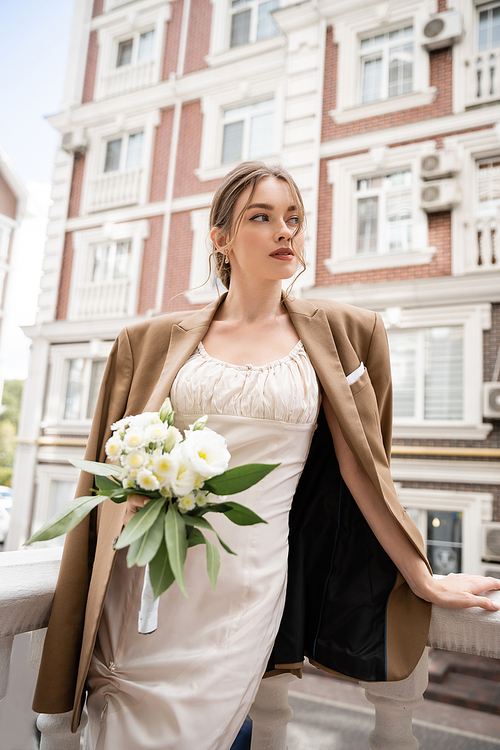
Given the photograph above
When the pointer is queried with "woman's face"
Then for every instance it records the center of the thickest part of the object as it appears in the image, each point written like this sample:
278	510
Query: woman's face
262	246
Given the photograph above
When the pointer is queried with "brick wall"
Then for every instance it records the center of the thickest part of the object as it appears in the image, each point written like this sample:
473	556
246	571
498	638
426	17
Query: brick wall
90	70
173	33
98	7
461	487
200	20
150	266
186	182
440	76
161	156
178	263
75	194
65	277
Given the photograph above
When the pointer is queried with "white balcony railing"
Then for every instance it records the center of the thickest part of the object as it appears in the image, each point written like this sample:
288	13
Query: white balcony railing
114	189
27	584
108	298
128	78
482	246
483	77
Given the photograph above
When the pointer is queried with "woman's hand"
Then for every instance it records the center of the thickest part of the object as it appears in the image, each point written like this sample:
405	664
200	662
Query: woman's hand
459	591
133	503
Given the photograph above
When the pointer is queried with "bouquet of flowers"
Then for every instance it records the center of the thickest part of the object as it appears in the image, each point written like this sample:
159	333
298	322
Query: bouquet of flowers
183	477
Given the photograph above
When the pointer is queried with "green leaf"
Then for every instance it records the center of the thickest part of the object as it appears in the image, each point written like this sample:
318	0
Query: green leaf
213	557
140	523
238	479
202	523
175	538
213	562
145	548
66	519
94	467
242	515
108	485
160	572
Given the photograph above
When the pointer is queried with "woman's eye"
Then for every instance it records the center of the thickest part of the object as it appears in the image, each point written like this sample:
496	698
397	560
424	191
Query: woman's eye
260	217
293	220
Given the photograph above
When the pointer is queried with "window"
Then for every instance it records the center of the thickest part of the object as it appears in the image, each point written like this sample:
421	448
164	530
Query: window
251	21
124	153
136	49
442	532
111	260
384	213
387	64
489	28
488	183
248	132
83	381
427	371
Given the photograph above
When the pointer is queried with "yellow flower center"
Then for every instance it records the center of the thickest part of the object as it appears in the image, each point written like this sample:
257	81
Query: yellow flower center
202	455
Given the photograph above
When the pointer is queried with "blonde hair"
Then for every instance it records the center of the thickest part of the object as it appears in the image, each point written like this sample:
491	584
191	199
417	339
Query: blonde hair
222	217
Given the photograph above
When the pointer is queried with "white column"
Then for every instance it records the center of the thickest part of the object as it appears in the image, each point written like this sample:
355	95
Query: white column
270	713
5	652
394	705
56	731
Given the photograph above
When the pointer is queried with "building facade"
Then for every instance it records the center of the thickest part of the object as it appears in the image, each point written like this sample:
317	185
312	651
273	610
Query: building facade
387	115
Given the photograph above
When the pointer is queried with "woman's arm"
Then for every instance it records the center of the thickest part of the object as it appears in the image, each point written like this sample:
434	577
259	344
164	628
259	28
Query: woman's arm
454	591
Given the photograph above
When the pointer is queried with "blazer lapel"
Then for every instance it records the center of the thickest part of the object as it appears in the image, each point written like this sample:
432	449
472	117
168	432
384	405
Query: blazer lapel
313	328
184	338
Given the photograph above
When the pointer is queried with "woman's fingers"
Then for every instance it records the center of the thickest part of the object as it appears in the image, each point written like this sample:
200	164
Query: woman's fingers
134	502
459	591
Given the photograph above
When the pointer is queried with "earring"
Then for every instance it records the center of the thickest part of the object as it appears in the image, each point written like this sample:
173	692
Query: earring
226	259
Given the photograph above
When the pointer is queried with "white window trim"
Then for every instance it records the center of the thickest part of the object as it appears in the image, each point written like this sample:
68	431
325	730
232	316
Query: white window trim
54	422
199	260
45	475
120	25
96	154
136	231
220	38
343	174
6	225
475	319
463	56
470	147
476	508
213	107
376	18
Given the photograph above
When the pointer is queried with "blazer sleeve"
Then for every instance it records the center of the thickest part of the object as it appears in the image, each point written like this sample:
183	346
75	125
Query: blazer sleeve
378	365
61	652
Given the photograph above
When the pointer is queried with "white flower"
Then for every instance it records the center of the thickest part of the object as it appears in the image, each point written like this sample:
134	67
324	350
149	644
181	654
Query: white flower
205	452
156	432
165	467
120	425
134	438
173	437
128	483
166	412
202	499
141	421
199	424
185	479
187	503
135	459
147	480
113	447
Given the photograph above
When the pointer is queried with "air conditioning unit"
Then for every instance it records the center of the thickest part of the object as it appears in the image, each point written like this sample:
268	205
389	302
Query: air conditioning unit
442	30
491	570
75	142
439	195
491	541
491	400
439	164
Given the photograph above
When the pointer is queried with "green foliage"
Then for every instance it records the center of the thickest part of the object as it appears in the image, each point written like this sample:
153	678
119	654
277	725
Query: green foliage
11	400
7	443
5	476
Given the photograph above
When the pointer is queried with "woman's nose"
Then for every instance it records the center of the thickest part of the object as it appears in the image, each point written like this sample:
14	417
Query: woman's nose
284	232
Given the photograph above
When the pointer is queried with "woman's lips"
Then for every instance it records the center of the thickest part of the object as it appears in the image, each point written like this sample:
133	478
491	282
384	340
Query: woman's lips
282	254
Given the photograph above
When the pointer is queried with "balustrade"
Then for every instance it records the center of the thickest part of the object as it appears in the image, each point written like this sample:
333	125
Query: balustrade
113	189
93	299
27	584
483	77
482	244
128	78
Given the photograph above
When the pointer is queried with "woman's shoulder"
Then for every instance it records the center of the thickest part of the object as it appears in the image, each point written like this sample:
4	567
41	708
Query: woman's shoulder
344	315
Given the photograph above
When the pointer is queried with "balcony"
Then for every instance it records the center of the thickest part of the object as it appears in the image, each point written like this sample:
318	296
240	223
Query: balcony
115	189
483	78
482	244
101	299
27	583
127	78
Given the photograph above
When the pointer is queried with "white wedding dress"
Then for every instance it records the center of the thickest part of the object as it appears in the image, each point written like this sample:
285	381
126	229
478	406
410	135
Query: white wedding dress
190	684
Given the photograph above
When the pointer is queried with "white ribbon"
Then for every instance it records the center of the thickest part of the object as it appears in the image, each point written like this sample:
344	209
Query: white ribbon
148	615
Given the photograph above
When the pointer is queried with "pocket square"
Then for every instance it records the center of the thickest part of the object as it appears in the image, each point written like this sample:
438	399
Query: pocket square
356	374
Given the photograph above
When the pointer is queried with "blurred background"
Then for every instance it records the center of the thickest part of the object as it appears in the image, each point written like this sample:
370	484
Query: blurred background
118	121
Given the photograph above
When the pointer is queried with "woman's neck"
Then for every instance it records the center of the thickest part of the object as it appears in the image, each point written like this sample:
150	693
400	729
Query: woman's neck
252	302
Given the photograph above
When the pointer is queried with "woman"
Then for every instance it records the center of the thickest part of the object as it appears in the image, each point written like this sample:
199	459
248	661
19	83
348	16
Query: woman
266	369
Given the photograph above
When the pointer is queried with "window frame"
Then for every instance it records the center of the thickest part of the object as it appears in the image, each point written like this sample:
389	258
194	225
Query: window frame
59	358
475	319
253	6
247	129
46	475
384	52
124	138
350	29
220	50
85	240
343	174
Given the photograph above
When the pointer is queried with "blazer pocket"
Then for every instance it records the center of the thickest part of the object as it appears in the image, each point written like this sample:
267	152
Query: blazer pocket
360	381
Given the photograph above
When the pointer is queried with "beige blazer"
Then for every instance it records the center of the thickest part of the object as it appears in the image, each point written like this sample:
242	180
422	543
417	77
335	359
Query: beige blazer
141	368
